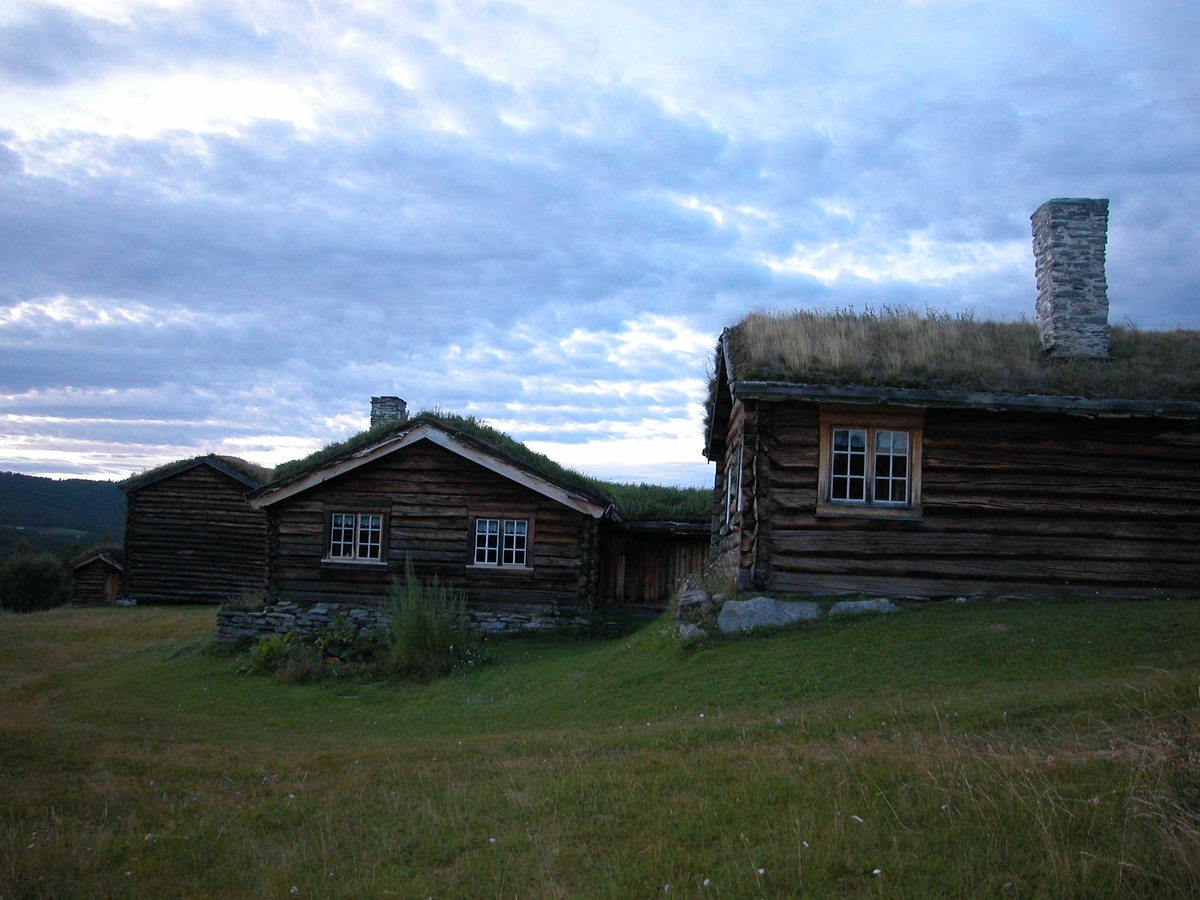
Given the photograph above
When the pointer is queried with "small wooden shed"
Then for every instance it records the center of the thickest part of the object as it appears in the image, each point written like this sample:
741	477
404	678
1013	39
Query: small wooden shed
96	580
190	535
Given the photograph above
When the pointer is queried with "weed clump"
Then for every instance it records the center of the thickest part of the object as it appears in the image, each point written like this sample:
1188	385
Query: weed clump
430	633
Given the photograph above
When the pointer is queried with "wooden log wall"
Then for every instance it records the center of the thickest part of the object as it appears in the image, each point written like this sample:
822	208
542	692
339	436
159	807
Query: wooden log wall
643	569
95	582
193	538
1014	503
429	495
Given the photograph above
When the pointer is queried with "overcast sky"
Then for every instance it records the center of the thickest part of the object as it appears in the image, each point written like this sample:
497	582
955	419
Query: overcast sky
224	226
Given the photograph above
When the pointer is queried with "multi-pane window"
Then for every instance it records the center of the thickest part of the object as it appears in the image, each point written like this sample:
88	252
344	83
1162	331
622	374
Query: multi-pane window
356	536
487	542
849	465
501	542
869	456
516	535
891	467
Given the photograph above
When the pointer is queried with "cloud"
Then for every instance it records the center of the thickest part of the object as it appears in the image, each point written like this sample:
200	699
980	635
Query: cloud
235	222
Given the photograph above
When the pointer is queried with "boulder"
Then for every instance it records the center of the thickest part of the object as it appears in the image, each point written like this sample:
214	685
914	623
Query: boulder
688	631
855	607
764	612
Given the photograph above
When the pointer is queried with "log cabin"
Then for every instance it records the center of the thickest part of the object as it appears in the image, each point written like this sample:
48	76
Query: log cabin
190	535
507	528
96	580
934	456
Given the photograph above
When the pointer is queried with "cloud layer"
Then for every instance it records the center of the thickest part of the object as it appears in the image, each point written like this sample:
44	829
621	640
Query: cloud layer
225	226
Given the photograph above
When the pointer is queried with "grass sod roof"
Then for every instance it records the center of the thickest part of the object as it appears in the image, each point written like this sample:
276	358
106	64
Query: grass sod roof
905	349
260	475
635	502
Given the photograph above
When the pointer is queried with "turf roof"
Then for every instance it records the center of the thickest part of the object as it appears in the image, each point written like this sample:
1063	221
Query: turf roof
634	502
257	474
905	349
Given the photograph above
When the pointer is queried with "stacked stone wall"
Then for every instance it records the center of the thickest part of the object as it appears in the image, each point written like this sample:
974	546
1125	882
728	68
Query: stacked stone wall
234	625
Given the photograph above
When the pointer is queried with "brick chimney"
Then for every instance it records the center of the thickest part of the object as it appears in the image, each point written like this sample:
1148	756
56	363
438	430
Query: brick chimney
387	409
1068	250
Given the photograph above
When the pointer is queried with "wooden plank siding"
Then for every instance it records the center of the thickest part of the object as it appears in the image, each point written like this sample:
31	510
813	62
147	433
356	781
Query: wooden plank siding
95	582
428	496
1013	502
193	538
643	569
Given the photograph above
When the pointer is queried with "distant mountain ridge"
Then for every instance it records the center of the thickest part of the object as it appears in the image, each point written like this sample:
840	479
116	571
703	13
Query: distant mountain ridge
35	502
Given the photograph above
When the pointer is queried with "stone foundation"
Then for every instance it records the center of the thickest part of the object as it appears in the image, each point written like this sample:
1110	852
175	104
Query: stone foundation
234	625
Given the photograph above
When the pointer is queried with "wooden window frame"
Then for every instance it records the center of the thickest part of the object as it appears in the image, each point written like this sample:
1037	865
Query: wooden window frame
871	420
327	557
501	516
733	486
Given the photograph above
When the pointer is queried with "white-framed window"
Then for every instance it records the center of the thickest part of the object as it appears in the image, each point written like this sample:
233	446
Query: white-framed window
869	463
356	537
501	542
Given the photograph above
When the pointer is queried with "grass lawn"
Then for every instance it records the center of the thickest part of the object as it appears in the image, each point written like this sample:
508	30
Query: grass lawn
980	750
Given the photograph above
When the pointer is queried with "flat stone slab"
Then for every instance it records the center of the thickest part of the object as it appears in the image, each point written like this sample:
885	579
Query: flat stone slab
764	612
857	607
696	600
688	631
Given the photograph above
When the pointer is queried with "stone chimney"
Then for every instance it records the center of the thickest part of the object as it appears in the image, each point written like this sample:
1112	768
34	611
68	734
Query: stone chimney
1068	251
387	409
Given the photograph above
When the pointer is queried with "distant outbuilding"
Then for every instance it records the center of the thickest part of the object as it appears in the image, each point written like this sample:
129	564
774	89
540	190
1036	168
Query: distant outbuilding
190	535
96	580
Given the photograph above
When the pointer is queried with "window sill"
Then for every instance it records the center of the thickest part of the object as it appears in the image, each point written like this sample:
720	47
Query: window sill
510	570
368	563
865	511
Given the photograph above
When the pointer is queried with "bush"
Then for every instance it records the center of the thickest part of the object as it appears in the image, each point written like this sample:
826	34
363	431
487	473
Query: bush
429	627
31	581
249	600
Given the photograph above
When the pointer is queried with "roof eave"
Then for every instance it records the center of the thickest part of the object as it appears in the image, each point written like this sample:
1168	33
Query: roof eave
925	398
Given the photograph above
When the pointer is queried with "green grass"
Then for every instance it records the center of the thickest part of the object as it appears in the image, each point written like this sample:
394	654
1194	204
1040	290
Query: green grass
1026	750
904	348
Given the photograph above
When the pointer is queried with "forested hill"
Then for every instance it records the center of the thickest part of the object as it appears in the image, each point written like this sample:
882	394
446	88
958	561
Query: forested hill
93	506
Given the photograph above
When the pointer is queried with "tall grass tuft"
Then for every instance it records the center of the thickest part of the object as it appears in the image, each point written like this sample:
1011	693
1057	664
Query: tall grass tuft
430	636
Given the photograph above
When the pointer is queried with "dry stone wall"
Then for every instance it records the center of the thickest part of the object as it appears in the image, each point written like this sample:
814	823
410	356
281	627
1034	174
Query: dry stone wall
234	625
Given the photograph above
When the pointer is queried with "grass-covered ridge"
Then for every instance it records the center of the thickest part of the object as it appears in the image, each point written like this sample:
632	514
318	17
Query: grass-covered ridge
904	348
978	750
256	473
635	502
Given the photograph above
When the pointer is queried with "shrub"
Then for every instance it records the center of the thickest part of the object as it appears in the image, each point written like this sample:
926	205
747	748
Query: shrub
31	581
429	627
249	600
